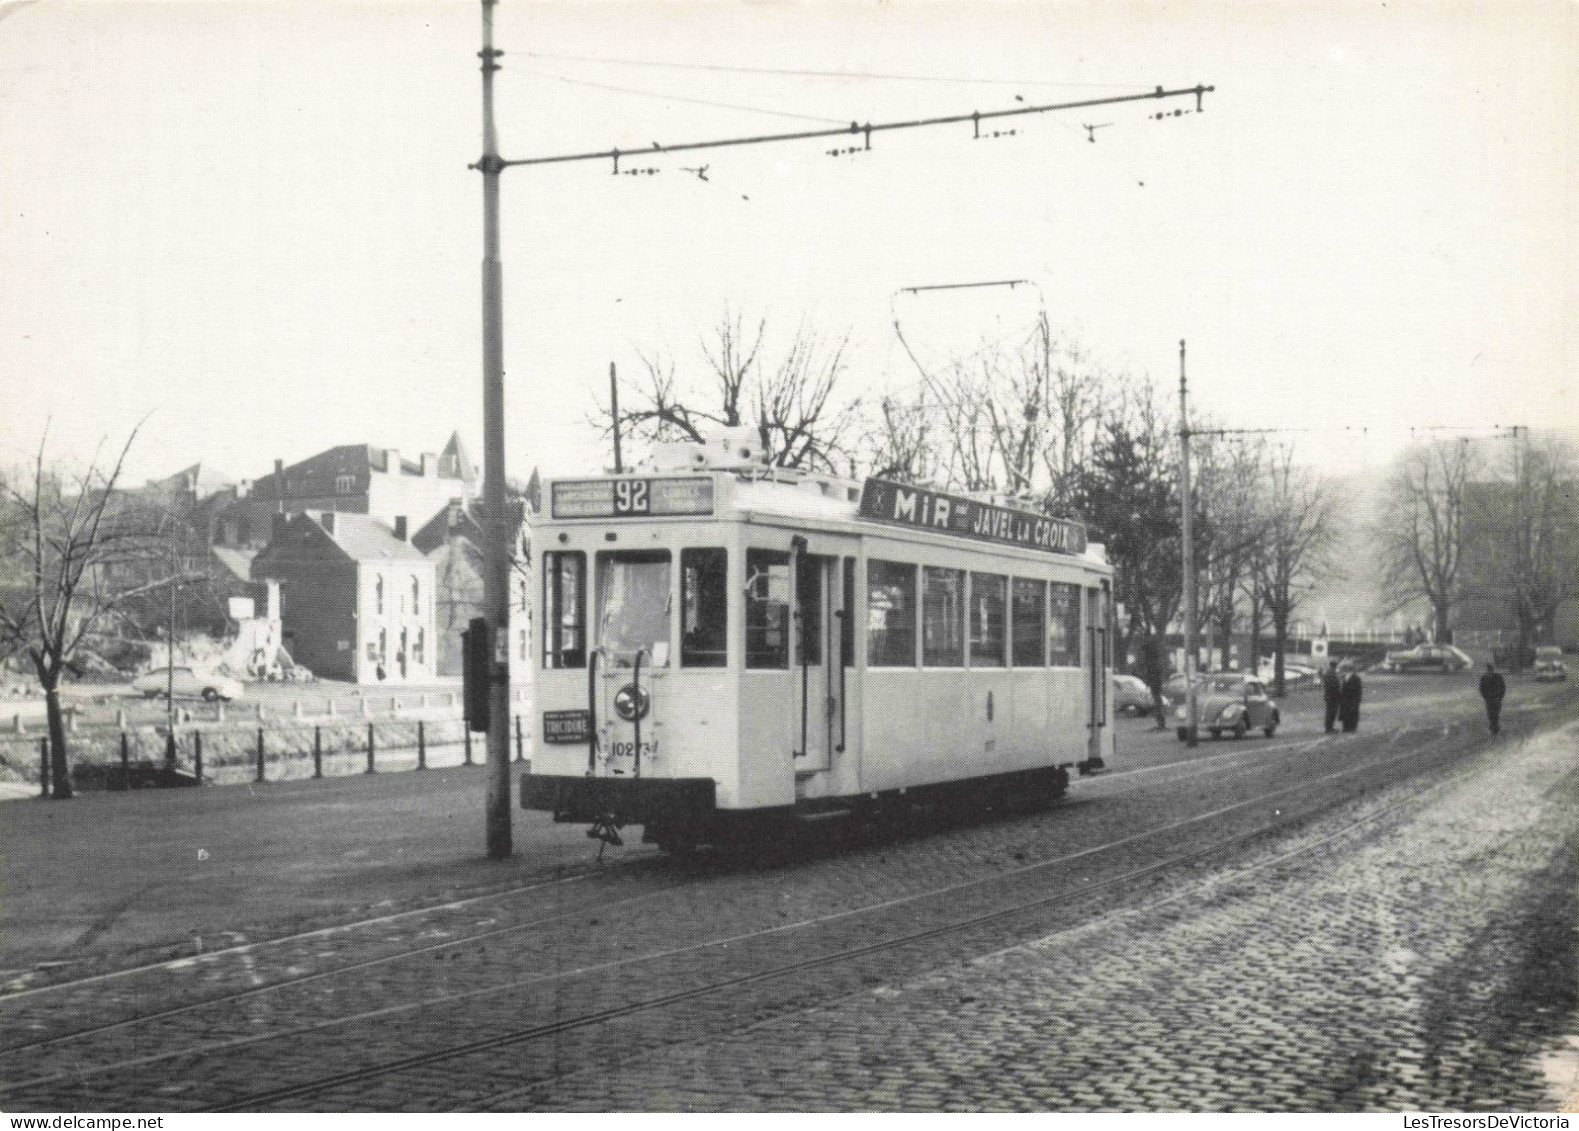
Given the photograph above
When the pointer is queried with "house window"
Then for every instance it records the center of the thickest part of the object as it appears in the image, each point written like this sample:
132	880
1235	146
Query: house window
416	596
416	651
378	593
890	615
343	485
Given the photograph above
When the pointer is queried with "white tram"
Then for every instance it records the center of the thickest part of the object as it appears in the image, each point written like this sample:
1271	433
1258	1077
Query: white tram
723	641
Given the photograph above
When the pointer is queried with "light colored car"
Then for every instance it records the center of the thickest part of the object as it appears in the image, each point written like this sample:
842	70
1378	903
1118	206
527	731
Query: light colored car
188	683
1131	696
1229	703
1427	658
1549	664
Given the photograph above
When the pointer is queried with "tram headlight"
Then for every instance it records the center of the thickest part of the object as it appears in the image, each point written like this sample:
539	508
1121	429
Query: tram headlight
632	702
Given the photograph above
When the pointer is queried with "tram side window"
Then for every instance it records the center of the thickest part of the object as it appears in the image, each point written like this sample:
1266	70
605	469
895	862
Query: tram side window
767	609
565	606
890	615
1063	625
704	599
989	596
942	617
1029	616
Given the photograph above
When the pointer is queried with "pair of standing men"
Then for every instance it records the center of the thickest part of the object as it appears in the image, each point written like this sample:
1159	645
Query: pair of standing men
1341	696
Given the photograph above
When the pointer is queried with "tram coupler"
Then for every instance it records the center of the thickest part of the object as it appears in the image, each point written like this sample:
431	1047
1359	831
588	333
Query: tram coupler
607	830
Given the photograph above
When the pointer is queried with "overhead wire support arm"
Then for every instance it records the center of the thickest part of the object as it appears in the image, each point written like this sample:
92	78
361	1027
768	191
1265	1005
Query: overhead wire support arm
868	128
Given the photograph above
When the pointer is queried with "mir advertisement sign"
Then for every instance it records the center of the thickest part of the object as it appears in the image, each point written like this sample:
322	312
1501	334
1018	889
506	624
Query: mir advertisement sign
902	505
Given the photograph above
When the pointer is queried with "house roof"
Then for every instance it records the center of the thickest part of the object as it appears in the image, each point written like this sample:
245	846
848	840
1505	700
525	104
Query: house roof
365	538
462	518
238	562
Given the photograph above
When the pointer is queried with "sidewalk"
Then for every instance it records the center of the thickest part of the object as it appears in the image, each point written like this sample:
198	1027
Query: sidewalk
109	873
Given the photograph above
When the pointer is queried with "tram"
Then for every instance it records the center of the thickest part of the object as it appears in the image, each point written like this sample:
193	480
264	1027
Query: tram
722	643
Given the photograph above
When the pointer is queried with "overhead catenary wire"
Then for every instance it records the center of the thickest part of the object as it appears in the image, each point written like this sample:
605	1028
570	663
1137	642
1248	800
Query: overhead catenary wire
859	129
676	97
805	72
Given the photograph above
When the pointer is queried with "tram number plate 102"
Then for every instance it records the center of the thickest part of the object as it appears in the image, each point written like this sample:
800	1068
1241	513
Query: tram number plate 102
632	496
564	726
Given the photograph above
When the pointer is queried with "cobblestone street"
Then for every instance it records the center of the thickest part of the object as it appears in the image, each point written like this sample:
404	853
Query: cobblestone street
1423	970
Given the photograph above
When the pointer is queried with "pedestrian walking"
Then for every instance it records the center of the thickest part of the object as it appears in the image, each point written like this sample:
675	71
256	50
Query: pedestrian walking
1331	692
1492	688
1349	702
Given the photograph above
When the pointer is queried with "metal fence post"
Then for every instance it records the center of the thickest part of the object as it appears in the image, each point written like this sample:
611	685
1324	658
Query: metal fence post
197	756
43	766
422	747
126	763
318	751
466	729
369	747
519	756
260	753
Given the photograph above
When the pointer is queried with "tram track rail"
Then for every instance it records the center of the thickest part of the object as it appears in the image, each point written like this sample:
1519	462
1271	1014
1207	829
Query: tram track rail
591	1019
527	1034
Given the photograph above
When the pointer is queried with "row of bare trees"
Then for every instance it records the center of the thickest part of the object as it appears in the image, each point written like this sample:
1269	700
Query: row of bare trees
1490	522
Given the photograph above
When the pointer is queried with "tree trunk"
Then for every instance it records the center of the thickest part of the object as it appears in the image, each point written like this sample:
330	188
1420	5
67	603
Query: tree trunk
1279	644
59	771
1444	631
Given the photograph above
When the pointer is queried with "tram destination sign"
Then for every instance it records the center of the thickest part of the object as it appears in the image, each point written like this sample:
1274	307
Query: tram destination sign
900	504
631	498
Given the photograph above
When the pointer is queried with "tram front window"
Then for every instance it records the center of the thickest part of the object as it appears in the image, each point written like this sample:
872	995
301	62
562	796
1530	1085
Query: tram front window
634	607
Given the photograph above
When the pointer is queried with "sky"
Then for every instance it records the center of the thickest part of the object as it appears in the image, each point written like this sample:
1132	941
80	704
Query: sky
250	228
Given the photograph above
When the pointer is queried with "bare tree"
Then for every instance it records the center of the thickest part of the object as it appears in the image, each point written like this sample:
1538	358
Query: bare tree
1420	529
794	400
903	443
70	552
1302	526
1523	534
1230	474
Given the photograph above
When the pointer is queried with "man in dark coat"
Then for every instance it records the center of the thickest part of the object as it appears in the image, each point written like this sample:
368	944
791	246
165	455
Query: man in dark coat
1492	688
1349	702
1331	692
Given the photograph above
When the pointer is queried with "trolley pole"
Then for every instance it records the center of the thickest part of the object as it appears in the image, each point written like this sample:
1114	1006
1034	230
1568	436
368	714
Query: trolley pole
1190	720
496	551
614	414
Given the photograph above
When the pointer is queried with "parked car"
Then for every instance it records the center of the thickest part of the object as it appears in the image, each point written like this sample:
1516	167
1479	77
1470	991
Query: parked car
1131	696
1230	702
1549	664
1427	658
188	683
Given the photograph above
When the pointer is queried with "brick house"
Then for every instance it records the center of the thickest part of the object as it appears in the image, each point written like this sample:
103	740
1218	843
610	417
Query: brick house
350	479
357	599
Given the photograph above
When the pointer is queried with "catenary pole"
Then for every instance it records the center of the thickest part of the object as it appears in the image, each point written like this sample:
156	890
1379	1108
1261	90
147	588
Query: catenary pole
1190	720
496	551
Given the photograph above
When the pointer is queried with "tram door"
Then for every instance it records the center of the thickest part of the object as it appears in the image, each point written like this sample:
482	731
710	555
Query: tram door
1096	670
813	662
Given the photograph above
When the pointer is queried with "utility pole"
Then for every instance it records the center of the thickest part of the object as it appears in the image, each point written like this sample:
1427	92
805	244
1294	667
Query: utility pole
1190	719
496	549
614	414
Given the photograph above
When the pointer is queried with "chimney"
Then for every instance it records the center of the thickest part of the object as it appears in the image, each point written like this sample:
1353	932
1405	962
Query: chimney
328	521
280	521
393	456
400	527
430	465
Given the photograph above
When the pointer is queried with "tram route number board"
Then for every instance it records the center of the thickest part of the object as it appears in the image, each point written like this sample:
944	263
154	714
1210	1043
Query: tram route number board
564	726
900	504
632	498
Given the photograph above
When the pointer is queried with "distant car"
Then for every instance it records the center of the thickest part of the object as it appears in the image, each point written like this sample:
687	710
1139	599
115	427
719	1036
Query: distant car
1549	664
188	683
1427	658
1131	696
1232	703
